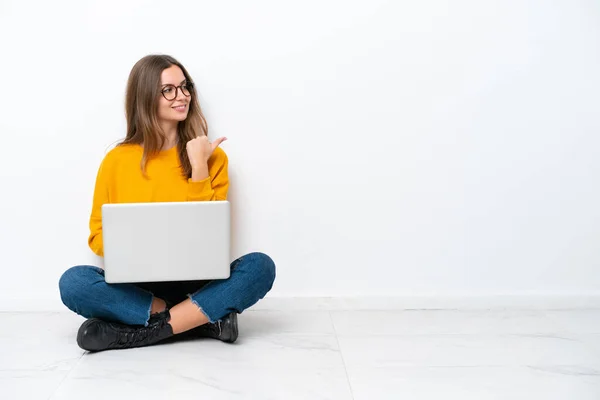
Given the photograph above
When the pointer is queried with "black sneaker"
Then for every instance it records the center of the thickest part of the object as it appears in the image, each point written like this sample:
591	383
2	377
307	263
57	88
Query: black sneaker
225	329
96	334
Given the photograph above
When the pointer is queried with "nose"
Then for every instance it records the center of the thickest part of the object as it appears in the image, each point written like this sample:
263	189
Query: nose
180	95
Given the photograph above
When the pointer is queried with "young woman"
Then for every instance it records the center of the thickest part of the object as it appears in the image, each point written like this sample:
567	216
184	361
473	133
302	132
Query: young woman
166	156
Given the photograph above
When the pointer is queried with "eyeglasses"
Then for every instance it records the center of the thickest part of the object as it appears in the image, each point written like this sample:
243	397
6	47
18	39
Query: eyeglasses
169	92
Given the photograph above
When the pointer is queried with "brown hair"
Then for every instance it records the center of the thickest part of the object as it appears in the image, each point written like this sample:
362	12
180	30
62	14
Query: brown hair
141	104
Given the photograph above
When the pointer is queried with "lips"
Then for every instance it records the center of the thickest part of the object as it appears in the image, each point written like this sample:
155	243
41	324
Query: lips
180	108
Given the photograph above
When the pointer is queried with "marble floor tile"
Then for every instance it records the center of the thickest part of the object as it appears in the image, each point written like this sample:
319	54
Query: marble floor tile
274	367
30	384
267	323
25	325
419	322
577	321
37	352
42	342
335	355
464	350
475	383
206	383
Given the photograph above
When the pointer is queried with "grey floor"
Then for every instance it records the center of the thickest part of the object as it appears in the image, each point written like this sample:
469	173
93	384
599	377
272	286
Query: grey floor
319	355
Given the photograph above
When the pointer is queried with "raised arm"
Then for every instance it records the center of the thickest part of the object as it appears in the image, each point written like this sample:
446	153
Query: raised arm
210	181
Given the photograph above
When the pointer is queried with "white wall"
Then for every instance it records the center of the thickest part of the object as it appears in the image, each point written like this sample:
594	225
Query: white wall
376	147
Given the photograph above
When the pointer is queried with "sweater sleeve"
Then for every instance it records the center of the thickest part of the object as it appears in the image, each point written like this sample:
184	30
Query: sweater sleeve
100	198
214	187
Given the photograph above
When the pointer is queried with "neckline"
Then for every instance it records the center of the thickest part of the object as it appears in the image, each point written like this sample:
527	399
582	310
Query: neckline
169	150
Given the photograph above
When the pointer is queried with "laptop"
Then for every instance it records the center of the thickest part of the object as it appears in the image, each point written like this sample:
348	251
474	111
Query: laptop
173	241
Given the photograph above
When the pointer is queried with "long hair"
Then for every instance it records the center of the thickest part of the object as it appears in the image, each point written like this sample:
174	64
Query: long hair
141	105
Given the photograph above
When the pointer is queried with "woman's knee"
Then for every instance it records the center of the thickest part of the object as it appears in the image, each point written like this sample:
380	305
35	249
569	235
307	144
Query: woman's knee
264	267
76	281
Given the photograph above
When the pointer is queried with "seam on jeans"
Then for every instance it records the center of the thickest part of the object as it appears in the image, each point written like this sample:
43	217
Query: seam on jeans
212	321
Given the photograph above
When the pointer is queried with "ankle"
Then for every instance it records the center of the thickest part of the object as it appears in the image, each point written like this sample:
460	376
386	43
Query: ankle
158	306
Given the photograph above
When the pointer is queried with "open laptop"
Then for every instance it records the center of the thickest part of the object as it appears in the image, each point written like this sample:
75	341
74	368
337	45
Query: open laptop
174	241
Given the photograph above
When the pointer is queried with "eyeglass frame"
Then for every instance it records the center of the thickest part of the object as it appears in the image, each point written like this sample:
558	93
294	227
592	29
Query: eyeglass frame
190	85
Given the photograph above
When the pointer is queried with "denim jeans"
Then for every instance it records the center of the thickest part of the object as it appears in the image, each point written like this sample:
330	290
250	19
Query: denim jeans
84	291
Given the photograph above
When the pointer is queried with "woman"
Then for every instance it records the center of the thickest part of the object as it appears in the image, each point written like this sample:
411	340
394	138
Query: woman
166	156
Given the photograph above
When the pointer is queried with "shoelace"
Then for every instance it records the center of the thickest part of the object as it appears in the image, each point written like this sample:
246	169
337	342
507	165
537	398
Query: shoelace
213	328
138	335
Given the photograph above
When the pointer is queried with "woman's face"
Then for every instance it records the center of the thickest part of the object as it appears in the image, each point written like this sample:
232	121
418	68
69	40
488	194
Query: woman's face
174	110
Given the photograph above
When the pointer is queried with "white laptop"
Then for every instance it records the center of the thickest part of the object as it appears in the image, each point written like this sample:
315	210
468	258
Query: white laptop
175	241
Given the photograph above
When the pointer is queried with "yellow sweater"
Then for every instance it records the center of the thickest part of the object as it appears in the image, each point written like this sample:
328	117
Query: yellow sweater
120	180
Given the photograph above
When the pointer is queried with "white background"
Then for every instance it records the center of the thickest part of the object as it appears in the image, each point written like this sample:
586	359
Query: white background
376	147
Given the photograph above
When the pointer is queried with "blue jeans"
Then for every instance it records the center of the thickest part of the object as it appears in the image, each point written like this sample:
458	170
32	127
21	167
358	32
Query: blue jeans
84	291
